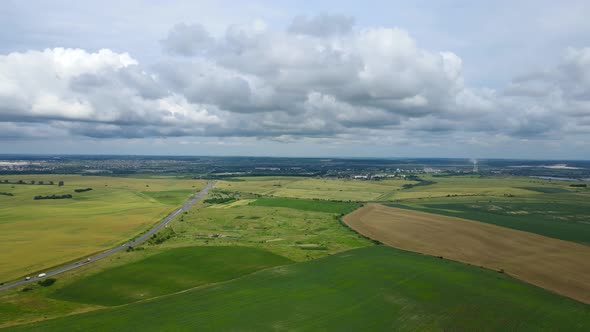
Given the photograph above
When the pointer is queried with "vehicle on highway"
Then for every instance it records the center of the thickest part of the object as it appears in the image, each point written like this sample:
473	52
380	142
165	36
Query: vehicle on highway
109	252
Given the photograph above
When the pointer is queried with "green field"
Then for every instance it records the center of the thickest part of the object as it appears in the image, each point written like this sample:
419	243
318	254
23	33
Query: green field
549	208
38	234
18	306
294	228
170	271
375	288
566	218
326	189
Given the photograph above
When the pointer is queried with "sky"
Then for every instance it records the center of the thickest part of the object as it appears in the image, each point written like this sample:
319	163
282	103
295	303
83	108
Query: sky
473	79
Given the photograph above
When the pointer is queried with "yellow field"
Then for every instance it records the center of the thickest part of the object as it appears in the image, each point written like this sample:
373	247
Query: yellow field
332	189
560	266
38	234
390	189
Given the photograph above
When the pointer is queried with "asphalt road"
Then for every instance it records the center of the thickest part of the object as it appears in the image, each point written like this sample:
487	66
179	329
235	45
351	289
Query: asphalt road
137	240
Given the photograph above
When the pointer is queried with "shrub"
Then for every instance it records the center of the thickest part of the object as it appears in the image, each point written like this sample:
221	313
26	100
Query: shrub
219	200
47	282
160	237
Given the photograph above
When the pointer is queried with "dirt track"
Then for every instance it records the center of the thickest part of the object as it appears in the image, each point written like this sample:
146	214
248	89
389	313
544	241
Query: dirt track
559	266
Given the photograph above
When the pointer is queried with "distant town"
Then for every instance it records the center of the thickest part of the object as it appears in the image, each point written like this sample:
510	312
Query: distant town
342	168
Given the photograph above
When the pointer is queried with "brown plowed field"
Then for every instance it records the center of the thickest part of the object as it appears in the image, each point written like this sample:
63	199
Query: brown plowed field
559	266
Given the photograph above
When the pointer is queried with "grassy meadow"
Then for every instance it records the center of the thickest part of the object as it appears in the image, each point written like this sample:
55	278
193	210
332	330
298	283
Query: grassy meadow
466	187
299	229
197	273
38	234
326	189
374	288
546	207
306	205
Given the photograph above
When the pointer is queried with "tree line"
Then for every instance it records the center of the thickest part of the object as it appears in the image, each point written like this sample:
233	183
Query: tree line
64	196
40	182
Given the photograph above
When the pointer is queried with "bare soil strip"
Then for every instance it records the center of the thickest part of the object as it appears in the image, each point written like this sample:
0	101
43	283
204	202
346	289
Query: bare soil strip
559	266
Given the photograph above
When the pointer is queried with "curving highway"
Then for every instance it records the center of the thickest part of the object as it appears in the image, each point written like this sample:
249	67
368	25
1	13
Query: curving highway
109	252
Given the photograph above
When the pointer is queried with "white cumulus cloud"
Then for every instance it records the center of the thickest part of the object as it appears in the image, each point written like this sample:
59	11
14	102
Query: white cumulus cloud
320	78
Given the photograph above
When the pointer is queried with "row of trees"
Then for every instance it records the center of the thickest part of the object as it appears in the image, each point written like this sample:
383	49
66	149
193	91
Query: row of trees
53	197
40	182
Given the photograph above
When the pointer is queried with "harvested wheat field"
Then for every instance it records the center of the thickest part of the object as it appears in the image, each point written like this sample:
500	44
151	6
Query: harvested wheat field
559	266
